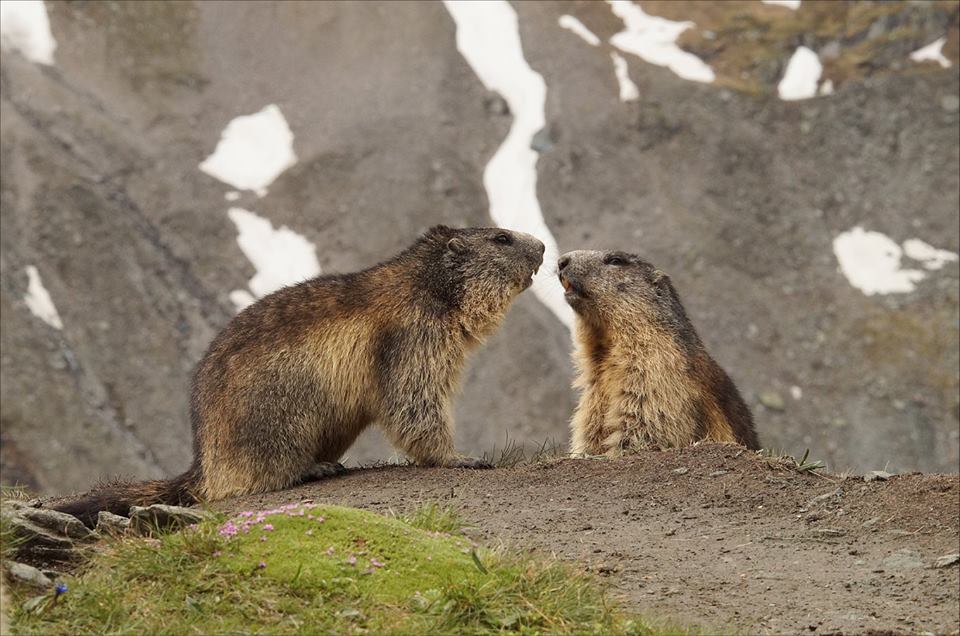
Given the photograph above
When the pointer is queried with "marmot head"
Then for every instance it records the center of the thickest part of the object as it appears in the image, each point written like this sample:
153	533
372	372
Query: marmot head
616	289
478	271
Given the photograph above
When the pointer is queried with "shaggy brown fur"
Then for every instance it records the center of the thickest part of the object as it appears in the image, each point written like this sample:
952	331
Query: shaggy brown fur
289	384
646	378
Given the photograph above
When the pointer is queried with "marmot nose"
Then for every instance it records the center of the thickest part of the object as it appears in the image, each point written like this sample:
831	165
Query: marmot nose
563	262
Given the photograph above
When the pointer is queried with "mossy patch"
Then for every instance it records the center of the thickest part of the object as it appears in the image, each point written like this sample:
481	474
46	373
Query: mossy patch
323	569
748	43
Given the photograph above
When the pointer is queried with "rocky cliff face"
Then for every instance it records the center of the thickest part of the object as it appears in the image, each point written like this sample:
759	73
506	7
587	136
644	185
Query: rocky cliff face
739	195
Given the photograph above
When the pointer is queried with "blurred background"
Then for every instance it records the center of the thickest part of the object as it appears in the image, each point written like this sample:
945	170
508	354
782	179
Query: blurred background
793	165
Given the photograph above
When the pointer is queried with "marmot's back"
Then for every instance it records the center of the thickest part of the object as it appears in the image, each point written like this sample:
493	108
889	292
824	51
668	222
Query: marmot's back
647	379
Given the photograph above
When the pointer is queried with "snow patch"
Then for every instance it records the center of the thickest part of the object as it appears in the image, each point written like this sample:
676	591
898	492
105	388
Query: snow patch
25	27
253	150
628	90
790	4
931	258
871	261
796	392
932	52
488	37
38	300
802	75
572	24
281	256
654	40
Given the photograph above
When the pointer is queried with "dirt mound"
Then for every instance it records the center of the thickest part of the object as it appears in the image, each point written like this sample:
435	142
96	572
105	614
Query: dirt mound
712	535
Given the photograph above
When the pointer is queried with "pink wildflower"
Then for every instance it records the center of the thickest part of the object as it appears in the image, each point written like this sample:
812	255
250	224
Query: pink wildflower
268	526
352	560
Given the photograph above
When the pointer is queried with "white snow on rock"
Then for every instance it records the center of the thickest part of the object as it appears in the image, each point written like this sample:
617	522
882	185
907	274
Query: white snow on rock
802	76
628	90
253	151
488	37
281	256
654	40
38	300
871	261
931	258
932	52
572	24
25	27
790	4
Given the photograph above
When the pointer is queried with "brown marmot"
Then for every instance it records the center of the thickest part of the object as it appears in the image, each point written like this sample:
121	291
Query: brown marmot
647	380
291	381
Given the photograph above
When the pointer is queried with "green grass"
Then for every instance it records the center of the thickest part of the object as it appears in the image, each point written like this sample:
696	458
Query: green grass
513	454
435	518
354	572
780	459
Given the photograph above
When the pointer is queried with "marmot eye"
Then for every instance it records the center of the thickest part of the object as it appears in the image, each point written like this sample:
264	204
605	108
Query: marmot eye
615	260
503	239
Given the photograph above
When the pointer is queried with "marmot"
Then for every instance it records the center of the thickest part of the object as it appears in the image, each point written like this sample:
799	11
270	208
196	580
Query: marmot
291	381
647	380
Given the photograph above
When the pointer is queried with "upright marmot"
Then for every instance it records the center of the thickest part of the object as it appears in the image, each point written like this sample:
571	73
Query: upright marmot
289	384
646	377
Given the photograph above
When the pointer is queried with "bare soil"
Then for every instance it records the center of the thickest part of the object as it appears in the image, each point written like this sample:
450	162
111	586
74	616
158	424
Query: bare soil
711	535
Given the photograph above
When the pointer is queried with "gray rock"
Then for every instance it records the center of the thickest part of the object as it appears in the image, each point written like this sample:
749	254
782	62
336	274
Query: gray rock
772	400
494	104
829	532
950	103
23	573
45	534
869	523
680	471
58	522
542	141
830	50
824	497
877	475
109	523
718	473
947	560
160	518
904	559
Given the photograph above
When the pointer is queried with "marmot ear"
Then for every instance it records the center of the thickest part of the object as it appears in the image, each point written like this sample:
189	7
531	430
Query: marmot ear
456	245
437	232
659	277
